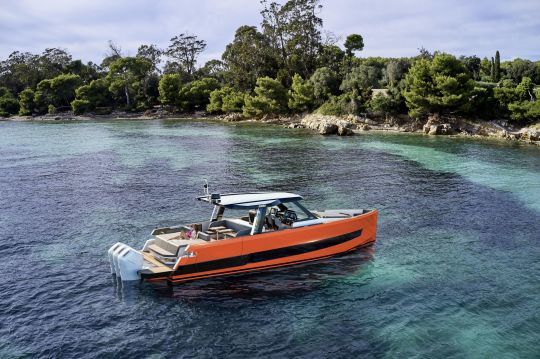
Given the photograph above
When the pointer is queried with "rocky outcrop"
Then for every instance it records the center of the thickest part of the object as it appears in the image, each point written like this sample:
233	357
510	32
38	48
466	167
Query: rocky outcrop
435	125
329	125
232	117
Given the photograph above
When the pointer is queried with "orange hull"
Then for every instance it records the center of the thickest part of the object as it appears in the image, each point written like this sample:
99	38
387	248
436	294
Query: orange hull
273	249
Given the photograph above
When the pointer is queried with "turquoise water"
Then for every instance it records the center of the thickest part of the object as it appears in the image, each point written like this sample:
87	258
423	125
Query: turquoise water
455	271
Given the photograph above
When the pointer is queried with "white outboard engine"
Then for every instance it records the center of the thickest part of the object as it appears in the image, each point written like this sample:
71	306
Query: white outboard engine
125	261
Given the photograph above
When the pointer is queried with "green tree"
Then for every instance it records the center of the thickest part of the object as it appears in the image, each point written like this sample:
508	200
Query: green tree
233	101
247	58
325	84
332	57
213	68
440	85
485	69
8	104
58	92
472	63
125	78
26	102
294	32
226	100
184	50
497	67
492	70
361	78
395	71
390	104
301	94
196	94
354	42
151	54
63	88
89	97
519	68
270	98
525	111
169	89
19	71
343	104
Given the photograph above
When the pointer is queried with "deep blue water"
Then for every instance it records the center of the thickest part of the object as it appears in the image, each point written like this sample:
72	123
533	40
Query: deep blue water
455	271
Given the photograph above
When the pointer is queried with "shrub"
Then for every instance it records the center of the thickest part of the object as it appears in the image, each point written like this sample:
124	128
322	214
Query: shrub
325	84
301	95
270	98
233	102
196	95
339	105
80	106
26	102
96	94
438	85
8	106
169	89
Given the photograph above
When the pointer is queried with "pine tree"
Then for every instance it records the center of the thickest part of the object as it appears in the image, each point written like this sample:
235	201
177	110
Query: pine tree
492	69
497	71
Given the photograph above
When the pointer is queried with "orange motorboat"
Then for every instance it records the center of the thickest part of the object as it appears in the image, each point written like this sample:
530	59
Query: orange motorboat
262	231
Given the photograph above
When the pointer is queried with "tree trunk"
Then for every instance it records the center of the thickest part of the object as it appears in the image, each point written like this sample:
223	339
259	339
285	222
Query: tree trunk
128	101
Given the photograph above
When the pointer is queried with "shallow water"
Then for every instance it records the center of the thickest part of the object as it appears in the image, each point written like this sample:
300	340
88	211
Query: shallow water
455	271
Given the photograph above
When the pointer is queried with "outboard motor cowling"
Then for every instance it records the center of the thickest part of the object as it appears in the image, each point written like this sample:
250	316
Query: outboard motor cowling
125	261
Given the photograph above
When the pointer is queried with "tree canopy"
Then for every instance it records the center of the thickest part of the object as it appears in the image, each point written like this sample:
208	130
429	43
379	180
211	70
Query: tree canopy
287	64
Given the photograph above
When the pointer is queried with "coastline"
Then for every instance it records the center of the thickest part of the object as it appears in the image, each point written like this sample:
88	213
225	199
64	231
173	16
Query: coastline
333	125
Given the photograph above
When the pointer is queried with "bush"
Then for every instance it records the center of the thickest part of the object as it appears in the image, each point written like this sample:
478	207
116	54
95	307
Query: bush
361	78
8	106
96	94
270	98
438	85
225	100
216	100
233	102
339	105
51	109
301	95
524	111
196	95
26	102
169	89
80	106
325	84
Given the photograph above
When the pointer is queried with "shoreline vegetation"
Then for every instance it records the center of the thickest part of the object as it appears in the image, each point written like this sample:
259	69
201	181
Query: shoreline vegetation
287	71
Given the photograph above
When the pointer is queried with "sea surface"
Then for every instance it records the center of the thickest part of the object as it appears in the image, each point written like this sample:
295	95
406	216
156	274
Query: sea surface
455	271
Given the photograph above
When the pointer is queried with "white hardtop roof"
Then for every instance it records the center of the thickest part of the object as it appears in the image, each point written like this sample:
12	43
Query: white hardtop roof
254	199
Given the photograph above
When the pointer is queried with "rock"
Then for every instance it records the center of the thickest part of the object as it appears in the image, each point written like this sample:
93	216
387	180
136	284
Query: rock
439	129
530	134
233	117
344	131
328	125
327	128
368	121
432	129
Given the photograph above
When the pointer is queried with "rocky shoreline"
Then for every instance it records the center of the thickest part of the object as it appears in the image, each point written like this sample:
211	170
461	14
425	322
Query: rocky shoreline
434	126
337	125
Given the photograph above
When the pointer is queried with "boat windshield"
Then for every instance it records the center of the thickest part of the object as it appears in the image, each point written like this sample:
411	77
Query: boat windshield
301	212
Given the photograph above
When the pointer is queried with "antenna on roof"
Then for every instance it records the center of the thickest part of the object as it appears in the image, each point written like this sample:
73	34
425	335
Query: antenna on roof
206	190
